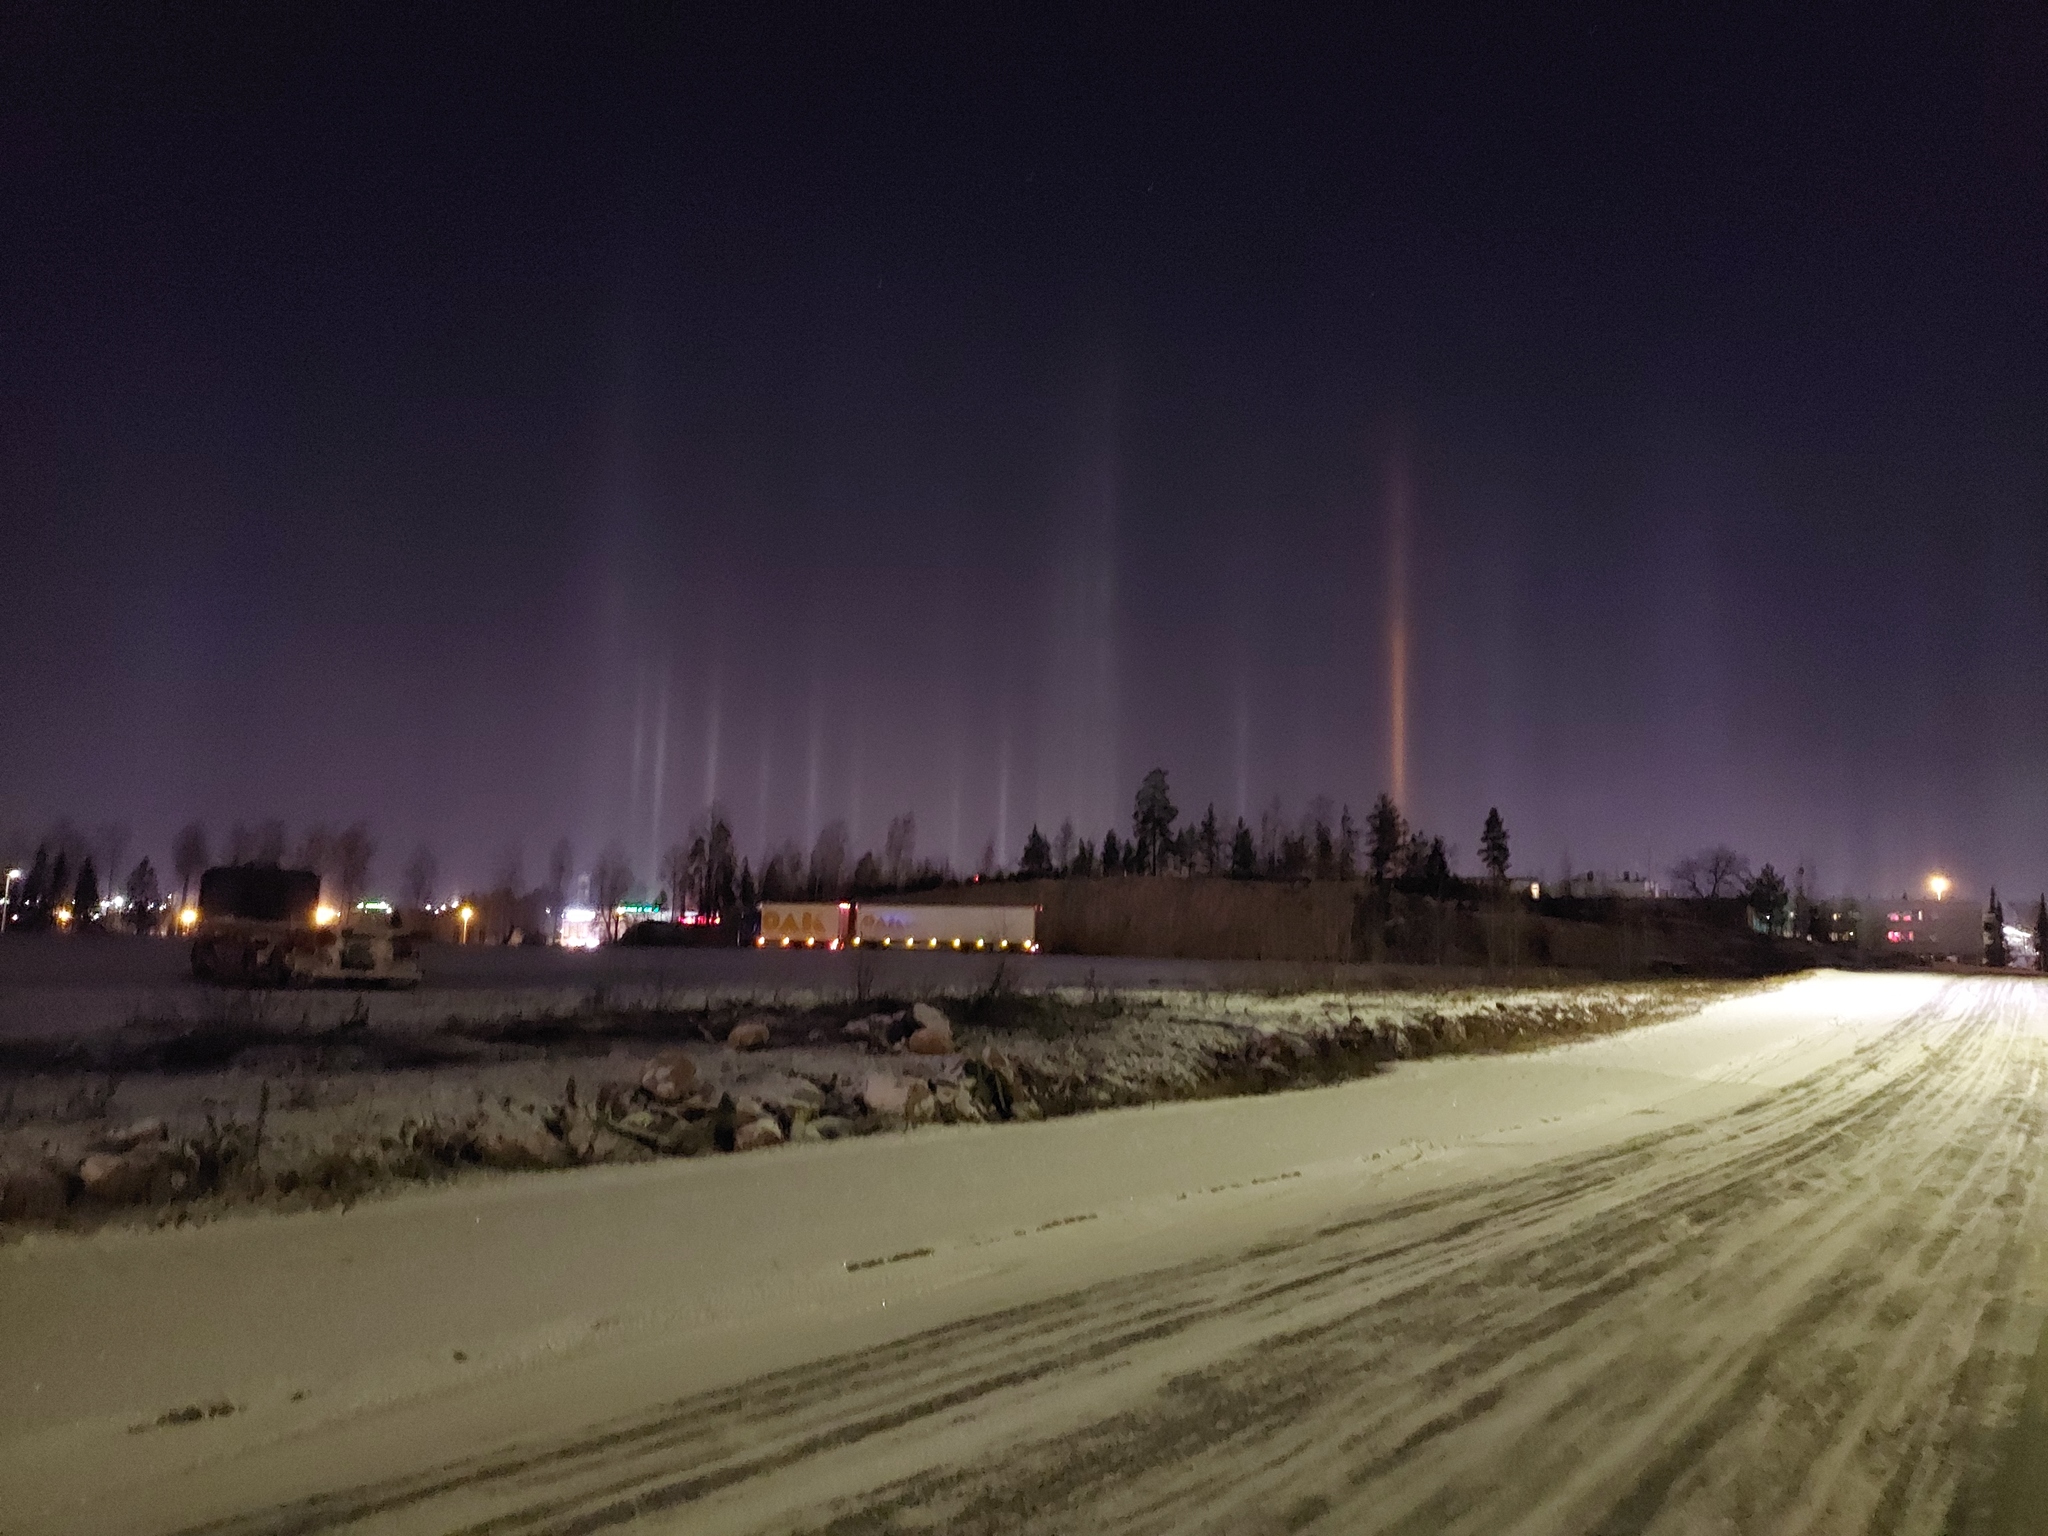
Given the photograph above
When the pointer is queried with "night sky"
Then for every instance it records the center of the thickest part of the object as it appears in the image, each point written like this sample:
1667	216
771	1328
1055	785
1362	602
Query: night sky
468	425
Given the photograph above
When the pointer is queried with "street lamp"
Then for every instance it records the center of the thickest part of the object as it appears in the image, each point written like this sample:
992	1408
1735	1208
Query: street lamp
466	914
1938	886
7	897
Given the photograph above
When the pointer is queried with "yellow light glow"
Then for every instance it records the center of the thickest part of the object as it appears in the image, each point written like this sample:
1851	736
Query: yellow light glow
468	913
63	914
188	917
1938	886
324	917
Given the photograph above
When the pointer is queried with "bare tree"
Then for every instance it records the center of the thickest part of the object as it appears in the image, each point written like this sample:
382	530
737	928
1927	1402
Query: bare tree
110	840
422	877
1716	871
1063	845
316	852
188	857
353	851
267	842
510	875
610	883
561	866
828	861
676	875
899	848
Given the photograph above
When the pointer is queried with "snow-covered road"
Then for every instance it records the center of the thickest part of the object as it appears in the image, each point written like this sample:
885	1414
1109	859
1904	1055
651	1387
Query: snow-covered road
1775	1267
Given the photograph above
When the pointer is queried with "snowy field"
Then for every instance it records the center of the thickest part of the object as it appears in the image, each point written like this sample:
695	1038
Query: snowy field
1774	1266
80	988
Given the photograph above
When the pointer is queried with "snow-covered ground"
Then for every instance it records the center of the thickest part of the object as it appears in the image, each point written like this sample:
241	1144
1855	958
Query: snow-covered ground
85	987
1772	1266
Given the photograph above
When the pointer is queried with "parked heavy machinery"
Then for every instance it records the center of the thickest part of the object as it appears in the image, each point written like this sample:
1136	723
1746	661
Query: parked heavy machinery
257	925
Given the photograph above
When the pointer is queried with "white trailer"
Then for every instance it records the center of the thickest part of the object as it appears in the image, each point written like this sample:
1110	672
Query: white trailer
804	924
938	927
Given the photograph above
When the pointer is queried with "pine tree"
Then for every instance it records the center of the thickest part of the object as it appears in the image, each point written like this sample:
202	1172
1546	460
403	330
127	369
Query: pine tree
1037	861
1152	816
1244	853
1436	867
2041	933
1387	831
1112	854
1995	953
1347	846
1493	846
1209	842
85	900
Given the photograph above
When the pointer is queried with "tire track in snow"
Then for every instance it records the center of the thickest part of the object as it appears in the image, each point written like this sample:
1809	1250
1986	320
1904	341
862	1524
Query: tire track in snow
1788	1316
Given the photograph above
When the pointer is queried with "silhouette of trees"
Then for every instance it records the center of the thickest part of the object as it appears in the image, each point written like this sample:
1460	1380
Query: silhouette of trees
1152	818
188	857
1037	861
610	883
1716	871
422	877
144	895
85	899
1244	853
1386	831
1493	846
828	862
1995	951
899	849
1769	898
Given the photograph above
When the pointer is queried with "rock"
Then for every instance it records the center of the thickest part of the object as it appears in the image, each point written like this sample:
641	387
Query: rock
933	1032
828	1127
670	1077
919	1105
873	1028
514	1148
755	1134
885	1093
124	1178
955	1104
610	1147
747	1035
33	1192
131	1136
689	1138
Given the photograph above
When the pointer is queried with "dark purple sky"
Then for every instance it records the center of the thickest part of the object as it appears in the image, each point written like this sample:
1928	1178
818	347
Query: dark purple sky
401	419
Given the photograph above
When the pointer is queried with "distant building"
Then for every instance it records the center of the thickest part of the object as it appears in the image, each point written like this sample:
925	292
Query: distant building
1919	925
1595	882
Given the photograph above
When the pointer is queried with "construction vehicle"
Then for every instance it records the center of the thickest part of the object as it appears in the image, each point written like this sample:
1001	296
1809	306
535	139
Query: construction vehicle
257	925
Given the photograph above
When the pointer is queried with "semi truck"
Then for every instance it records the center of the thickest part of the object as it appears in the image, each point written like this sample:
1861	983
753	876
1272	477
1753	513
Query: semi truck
261	926
846	924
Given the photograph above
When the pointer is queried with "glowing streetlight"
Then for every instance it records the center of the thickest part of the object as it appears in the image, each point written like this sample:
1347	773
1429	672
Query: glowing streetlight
7	897
466	914
1938	886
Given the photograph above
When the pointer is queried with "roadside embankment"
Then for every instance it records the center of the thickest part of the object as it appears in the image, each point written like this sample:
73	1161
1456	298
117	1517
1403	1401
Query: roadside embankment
176	1120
